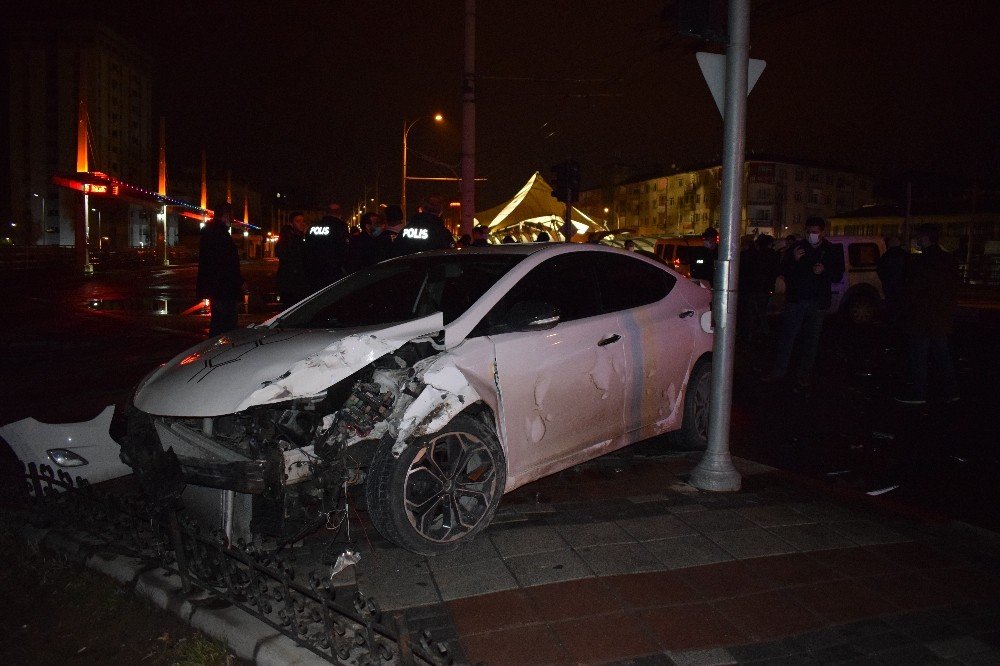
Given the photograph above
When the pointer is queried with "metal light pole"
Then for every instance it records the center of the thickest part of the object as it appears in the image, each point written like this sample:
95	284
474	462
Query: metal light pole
100	237
166	252
406	132
716	470
45	235
467	186
88	268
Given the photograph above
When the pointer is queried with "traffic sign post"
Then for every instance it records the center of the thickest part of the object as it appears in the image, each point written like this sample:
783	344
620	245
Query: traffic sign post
716	471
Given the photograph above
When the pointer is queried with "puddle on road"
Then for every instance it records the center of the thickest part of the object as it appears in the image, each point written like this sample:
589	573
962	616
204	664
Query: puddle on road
161	305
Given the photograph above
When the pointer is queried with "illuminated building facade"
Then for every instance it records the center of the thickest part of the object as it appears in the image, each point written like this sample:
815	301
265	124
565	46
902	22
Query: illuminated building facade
49	66
779	197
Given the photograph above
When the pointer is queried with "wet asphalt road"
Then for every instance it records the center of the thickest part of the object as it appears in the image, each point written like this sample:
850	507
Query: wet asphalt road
72	345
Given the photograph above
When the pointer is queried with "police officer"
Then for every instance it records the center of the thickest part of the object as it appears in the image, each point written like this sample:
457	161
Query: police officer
324	251
425	231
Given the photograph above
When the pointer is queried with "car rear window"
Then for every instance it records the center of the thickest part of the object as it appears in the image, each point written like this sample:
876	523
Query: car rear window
863	255
626	282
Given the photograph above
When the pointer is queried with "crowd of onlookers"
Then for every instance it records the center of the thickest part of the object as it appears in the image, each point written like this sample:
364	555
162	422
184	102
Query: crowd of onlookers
920	290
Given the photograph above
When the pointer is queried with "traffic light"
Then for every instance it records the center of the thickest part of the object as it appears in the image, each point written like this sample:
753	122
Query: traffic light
560	185
567	186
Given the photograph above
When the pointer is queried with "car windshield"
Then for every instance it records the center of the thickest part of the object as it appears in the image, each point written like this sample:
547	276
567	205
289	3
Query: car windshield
403	289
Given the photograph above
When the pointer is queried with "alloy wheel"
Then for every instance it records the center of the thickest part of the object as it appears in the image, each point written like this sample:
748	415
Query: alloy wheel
450	486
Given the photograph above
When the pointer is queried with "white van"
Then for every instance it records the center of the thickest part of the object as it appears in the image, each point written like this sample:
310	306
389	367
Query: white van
858	296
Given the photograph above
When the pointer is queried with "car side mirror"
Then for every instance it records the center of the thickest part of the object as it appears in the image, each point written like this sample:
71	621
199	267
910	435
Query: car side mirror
528	316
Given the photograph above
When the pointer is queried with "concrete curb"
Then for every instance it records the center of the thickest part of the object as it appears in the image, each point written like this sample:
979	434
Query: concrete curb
248	637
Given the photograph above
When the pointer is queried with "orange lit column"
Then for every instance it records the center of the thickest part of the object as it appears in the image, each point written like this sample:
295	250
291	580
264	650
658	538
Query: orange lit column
162	190
82	239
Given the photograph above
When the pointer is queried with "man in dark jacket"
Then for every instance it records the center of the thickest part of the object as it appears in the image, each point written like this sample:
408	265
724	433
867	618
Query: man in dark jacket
703	263
292	283
386	241
810	268
364	249
425	231
929	300
891	269
759	265
325	252
219	278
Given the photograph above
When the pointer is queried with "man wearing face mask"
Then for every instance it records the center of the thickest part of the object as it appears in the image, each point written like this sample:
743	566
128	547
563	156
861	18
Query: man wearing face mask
364	251
810	268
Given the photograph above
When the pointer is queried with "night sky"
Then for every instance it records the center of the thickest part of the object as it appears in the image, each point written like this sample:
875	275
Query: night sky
310	96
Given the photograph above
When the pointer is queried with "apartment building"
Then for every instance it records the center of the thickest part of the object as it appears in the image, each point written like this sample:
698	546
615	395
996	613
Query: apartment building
778	198
50	64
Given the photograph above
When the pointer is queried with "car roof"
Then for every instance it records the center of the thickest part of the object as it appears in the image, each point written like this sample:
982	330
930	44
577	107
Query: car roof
524	249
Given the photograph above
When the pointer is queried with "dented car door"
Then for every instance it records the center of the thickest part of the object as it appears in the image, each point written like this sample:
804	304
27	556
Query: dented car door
562	390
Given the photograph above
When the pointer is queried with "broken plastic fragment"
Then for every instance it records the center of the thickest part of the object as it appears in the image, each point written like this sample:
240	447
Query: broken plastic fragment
882	491
344	560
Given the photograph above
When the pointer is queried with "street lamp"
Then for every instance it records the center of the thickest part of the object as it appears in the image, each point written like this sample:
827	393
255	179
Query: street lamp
100	239
406	131
45	235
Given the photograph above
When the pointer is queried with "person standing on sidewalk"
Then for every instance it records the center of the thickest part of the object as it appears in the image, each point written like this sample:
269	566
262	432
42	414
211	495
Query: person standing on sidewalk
292	283
929	301
810	268
219	278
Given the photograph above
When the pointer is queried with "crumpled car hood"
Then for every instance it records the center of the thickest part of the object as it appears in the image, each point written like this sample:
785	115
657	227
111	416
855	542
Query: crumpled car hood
261	366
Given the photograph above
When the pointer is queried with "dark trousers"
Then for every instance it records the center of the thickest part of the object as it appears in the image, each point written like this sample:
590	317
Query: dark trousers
803	316
223	316
921	351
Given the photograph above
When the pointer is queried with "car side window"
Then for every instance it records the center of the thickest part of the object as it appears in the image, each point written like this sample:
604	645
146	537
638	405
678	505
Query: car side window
566	281
863	255
626	282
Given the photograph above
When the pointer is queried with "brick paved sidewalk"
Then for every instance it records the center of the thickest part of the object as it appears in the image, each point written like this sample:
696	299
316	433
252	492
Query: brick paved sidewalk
619	561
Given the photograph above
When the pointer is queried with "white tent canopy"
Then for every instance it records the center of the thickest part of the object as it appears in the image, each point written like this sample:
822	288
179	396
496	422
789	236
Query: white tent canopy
531	210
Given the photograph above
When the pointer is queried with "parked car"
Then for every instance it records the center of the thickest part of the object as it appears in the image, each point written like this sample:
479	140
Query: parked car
680	252
858	296
434	383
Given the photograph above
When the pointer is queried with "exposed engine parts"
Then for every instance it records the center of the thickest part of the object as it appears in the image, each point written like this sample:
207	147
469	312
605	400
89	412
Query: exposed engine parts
296	459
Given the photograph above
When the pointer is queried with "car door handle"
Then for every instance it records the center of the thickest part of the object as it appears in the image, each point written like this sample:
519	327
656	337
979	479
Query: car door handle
686	314
609	340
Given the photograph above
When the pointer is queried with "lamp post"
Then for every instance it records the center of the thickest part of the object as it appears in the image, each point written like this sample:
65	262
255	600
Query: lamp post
45	235
406	131
100	238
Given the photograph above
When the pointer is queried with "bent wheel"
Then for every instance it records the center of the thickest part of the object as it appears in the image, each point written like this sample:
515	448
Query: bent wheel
441	491
697	400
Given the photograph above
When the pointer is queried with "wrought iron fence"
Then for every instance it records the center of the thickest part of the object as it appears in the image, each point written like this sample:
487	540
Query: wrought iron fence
306	608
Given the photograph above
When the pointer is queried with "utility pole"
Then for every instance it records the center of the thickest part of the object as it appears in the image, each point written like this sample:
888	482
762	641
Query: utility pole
467	186
906	220
567	190
716	470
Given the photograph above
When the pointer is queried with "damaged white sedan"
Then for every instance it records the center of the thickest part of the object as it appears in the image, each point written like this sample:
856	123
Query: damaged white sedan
433	384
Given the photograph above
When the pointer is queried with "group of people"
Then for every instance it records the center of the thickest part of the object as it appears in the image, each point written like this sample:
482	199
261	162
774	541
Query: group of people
312	256
920	298
921	295
920	290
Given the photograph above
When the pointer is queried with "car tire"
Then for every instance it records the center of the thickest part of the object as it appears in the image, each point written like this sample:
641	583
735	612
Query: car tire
441	491
861	310
697	399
